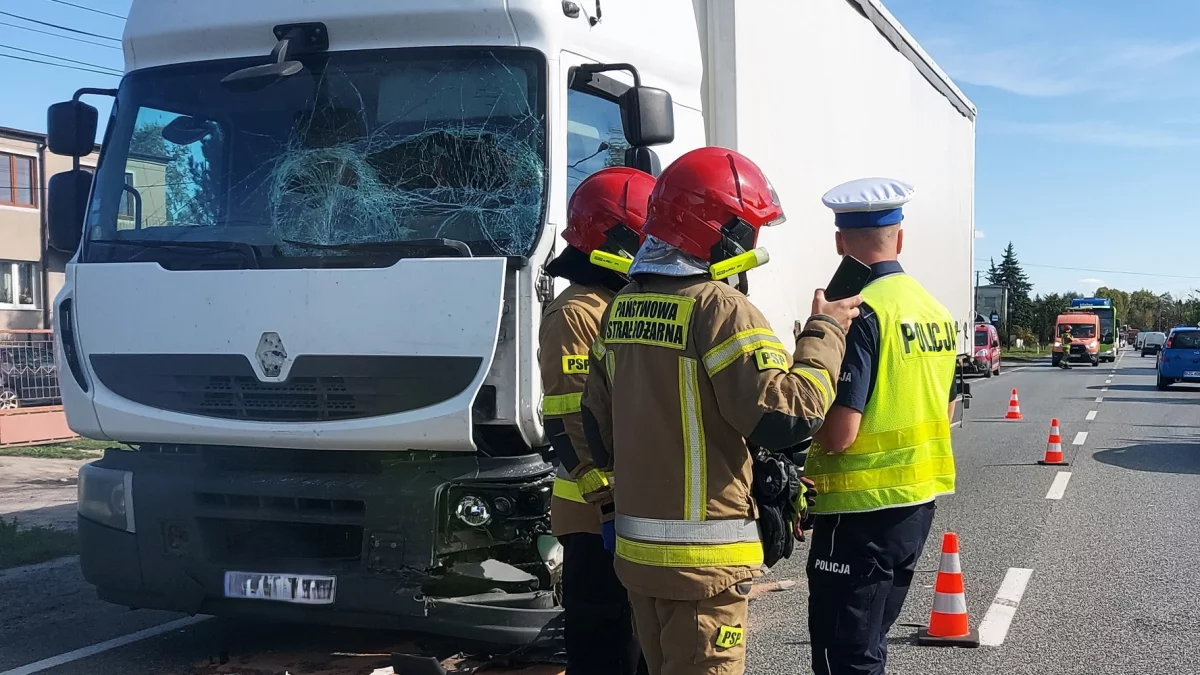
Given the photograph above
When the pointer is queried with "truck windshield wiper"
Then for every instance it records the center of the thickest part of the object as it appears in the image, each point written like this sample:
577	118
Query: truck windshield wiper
183	246
460	247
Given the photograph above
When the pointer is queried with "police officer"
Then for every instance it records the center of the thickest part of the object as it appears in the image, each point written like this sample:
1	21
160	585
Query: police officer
604	223
883	454
1065	361
685	375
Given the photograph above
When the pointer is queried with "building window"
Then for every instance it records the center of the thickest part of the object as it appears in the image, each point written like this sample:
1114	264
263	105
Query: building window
18	180
18	285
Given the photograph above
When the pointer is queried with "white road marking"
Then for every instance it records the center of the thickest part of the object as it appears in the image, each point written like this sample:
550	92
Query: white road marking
994	627
1108	381
1080	439
1099	399
85	652
1092	415
1104	389
1059	487
952	425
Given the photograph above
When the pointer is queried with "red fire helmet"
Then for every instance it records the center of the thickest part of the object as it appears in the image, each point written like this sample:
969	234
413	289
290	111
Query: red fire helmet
711	197
604	200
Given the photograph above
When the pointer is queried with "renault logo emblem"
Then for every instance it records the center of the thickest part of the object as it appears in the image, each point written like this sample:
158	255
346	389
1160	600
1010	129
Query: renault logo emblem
271	354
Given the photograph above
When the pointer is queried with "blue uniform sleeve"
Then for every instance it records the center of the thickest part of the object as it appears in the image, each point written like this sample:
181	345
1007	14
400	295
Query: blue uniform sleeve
857	378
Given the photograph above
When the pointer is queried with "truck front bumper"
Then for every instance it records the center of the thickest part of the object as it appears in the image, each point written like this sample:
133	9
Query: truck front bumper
172	561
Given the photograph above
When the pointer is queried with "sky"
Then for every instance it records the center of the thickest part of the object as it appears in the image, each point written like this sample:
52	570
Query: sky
1087	135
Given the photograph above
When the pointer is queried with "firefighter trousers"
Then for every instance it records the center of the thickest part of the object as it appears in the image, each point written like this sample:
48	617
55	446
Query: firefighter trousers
597	620
705	637
860	566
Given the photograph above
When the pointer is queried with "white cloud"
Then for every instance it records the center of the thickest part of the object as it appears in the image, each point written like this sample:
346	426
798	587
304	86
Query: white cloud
979	234
1100	133
1090	284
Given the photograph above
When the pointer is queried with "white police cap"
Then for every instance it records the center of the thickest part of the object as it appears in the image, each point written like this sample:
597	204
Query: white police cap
868	202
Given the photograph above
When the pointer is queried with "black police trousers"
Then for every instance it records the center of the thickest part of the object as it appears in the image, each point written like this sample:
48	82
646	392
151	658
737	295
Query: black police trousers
860	566
597	619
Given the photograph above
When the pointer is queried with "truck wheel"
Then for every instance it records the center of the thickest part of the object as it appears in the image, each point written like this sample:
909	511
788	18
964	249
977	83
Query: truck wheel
1055	360
9	399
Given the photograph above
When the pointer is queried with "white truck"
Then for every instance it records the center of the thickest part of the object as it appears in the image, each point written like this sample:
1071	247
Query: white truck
307	274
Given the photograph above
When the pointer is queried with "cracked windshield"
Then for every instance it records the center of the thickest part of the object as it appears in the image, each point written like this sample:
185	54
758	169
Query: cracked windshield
358	155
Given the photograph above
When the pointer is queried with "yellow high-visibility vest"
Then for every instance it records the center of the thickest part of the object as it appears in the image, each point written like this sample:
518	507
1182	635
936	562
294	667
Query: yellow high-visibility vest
902	454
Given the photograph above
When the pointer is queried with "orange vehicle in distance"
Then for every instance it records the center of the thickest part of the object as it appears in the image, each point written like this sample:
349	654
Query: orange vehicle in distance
1085	338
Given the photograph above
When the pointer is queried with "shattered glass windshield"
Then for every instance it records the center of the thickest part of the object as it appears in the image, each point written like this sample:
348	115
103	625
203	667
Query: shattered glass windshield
359	155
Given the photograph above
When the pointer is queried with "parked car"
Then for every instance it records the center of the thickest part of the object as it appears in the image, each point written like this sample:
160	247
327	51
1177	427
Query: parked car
28	376
1152	343
1179	360
986	357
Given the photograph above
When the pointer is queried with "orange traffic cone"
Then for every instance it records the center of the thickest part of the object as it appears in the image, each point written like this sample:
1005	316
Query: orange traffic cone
948	623
1014	407
1054	454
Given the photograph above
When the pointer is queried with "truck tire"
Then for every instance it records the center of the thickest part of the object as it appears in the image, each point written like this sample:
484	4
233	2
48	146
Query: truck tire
1055	360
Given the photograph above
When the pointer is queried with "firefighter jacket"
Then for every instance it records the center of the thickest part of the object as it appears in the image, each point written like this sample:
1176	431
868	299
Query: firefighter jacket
569	327
686	372
902	454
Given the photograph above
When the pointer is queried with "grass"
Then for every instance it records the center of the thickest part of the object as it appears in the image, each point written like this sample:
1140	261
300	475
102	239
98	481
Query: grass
34	544
80	448
1025	354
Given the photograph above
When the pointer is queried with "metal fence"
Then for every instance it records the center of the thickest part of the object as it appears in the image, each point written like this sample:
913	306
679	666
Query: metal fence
28	376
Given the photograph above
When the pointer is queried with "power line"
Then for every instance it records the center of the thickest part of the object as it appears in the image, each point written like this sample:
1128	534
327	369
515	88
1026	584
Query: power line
1092	269
65	37
60	65
89	9
60	58
54	25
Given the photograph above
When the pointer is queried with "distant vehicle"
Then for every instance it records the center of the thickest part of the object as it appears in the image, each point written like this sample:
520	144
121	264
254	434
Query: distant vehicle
1180	357
1085	342
1109	323
1152	343
986	357
1140	338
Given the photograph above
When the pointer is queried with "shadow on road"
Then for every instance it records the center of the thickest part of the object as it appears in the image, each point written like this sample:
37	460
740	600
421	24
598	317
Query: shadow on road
1166	456
1155	399
1124	387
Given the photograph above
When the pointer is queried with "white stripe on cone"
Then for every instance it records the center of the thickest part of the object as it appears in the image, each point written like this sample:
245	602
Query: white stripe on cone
950	603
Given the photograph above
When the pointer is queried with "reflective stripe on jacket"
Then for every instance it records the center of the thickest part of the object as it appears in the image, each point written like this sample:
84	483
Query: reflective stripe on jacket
902	453
569	328
684	372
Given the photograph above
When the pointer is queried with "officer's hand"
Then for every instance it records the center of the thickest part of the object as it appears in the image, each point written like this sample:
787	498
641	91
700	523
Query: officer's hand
842	311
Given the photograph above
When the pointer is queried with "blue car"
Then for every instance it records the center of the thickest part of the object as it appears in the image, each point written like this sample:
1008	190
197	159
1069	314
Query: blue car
1179	360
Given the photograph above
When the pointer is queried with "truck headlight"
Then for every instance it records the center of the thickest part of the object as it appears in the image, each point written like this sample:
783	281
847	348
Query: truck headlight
473	511
1093	344
106	497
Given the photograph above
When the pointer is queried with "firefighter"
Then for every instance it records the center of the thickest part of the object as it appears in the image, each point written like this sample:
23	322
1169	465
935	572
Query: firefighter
883	453
1065	361
604	230
686	375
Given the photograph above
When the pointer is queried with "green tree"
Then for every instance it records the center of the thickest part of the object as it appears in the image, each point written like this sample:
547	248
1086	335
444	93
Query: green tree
1010	273
1120	300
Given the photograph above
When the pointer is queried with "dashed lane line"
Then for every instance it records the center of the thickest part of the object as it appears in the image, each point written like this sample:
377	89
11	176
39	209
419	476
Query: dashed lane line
92	650
1099	399
1092	415
1080	439
1059	487
994	627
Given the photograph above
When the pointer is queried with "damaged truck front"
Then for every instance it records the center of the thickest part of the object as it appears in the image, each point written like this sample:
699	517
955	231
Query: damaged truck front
304	300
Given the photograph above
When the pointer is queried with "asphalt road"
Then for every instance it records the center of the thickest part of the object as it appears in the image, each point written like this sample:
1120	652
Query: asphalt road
1112	572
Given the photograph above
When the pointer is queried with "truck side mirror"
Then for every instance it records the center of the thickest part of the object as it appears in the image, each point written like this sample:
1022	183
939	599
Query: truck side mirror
71	128
66	205
647	116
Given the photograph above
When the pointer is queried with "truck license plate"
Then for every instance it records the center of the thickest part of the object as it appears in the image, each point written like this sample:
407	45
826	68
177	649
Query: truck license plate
305	589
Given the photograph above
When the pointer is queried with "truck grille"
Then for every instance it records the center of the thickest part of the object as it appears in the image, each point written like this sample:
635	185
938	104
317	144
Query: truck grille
318	388
279	506
230	541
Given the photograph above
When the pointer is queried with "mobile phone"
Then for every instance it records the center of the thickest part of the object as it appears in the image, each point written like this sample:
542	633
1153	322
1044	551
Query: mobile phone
849	279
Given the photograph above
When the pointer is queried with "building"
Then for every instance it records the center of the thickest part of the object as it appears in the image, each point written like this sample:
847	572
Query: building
30	273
